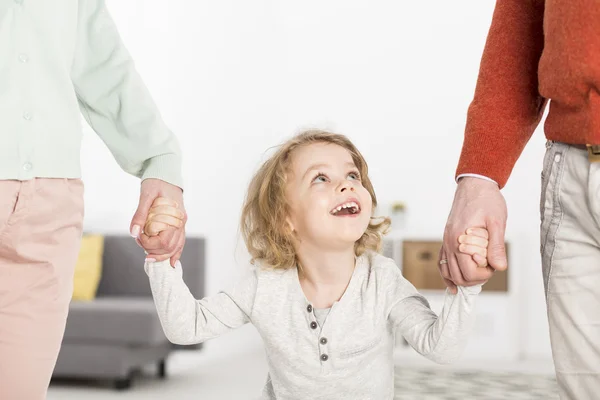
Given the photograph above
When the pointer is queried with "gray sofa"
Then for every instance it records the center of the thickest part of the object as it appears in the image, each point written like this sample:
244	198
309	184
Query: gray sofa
119	332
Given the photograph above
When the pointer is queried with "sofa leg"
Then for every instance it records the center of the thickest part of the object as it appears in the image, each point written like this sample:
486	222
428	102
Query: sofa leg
123	383
162	369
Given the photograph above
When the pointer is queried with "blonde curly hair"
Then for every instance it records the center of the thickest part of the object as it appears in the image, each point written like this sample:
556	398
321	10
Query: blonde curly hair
263	221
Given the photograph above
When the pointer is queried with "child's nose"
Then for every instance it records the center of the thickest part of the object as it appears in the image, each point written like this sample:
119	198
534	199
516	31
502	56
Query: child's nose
346	185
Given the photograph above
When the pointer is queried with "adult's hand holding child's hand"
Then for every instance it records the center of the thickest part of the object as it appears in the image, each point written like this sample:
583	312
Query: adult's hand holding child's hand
477	203
163	214
165	219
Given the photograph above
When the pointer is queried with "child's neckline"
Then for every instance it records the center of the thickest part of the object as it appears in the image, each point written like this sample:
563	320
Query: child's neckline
349	289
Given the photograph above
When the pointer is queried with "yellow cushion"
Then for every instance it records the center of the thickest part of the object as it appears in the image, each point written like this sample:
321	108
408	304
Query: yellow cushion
88	268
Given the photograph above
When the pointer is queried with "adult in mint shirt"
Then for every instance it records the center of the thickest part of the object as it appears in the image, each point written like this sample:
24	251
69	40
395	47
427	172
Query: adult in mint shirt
59	58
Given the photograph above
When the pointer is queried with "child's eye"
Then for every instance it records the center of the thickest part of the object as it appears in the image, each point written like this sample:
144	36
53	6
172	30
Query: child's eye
320	178
354	175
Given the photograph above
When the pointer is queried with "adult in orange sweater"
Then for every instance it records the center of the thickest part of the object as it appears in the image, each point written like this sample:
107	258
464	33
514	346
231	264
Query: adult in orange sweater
539	51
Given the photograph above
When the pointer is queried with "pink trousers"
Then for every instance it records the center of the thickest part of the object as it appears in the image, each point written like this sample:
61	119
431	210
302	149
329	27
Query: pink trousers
40	230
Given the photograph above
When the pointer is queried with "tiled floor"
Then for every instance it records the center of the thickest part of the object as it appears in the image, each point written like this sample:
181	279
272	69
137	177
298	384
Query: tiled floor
428	384
210	376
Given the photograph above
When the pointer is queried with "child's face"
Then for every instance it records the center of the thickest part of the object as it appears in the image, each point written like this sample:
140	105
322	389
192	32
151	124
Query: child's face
322	179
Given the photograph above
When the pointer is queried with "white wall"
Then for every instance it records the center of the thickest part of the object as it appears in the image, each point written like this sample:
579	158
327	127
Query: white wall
233	78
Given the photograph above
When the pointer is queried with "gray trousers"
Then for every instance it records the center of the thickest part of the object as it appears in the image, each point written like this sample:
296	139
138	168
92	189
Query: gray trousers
570	248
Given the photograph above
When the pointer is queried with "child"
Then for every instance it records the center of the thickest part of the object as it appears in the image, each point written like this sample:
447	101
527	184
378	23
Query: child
325	302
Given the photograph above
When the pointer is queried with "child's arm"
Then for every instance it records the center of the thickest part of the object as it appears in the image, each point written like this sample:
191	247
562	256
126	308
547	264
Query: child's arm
184	319
440	338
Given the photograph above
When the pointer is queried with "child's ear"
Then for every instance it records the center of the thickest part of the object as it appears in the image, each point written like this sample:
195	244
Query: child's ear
290	224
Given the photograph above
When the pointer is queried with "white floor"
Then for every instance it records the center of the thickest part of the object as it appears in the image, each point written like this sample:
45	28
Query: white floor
192	375
208	375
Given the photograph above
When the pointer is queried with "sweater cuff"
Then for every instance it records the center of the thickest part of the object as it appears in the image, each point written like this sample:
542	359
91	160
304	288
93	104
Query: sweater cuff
475	176
166	167
471	290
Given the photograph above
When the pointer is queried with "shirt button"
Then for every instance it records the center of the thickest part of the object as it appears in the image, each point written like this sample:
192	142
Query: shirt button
313	325
309	308
27	116
27	166
23	58
324	357
323	340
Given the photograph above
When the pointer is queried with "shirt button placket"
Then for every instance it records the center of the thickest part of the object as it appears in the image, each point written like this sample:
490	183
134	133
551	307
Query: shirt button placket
23	58
323	349
313	325
322	341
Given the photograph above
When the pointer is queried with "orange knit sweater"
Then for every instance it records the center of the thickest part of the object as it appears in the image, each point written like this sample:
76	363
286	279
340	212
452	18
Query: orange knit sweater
535	50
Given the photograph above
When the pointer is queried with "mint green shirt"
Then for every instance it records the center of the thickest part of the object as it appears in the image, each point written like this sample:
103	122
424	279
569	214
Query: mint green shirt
62	57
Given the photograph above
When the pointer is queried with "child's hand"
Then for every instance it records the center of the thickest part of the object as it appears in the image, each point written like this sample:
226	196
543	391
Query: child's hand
475	244
163	214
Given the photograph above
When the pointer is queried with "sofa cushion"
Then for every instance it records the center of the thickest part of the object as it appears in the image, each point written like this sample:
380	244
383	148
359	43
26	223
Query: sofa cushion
88	268
123	267
122	320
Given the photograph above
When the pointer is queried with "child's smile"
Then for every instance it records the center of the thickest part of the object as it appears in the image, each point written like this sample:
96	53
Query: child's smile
351	208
